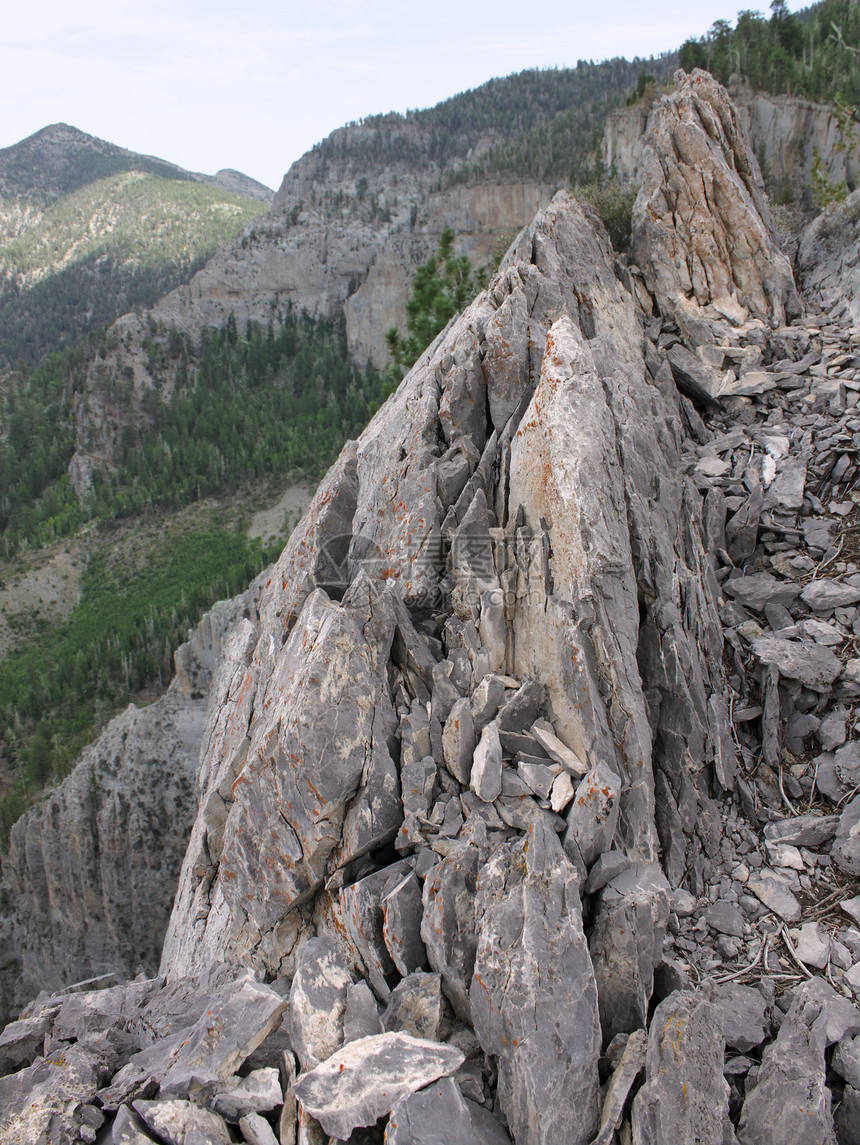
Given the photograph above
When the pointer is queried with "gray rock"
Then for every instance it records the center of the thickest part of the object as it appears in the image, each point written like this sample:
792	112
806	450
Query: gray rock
363	919
538	776
534	1001
774	891
848	1118
46	1101
362	1081
361	1017
437	1113
835	1016
593	817
629	1066
832	731
127	1129
846	845
23	1041
239	1017
182	1123
256	1130
626	945
760	589
486	1128
448	925
685	1098
825	595
802	830
790	1101
416	1007
402	910
486	777
846	1060
486	700
418	787
605	869
745	1023
445	691
559	752
787	489
811	946
257	1092
725	918
682	232
458	741
803	660
523	707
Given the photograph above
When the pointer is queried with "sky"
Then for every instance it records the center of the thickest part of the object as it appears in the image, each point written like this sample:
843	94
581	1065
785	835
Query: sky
210	85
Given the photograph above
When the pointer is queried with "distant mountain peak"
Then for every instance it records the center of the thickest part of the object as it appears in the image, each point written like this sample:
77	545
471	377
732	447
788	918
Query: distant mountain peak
60	158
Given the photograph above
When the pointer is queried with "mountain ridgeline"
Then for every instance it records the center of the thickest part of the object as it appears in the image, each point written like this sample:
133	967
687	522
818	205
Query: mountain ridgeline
89	231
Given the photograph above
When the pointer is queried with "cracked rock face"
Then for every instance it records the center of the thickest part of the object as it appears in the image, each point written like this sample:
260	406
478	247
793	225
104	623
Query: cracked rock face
702	228
513	746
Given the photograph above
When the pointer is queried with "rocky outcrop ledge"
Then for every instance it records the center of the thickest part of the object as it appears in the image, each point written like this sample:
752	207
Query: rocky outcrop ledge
475	786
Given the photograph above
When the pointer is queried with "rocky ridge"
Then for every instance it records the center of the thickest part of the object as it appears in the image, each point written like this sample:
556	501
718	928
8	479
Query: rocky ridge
783	131
527	802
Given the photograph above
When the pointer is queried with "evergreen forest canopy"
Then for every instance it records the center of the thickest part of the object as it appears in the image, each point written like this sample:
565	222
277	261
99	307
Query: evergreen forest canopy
104	249
273	401
814	53
278	400
538	124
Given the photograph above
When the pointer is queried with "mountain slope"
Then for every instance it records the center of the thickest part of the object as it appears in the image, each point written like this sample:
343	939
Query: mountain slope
89	230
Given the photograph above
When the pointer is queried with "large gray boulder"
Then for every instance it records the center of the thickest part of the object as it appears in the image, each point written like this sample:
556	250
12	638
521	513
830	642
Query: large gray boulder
318	1002
790	1100
362	1081
534	998
685	1098
627	946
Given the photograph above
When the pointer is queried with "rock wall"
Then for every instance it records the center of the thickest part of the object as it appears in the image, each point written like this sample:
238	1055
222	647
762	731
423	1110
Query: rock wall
829	261
538	403
90	874
782	131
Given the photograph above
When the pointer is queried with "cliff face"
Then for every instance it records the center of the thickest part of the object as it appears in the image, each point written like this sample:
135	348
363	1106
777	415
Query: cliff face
782	131
90	874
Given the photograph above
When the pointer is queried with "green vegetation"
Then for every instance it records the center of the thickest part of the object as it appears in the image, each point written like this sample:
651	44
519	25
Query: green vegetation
814	54
441	288
137	605
613	201
281	399
542	125
104	249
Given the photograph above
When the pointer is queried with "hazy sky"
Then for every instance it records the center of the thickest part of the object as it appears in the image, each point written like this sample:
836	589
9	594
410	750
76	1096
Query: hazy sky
218	85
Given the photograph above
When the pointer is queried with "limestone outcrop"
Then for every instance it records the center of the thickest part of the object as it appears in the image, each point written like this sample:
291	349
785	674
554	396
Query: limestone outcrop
784	133
90	874
702	229
510	789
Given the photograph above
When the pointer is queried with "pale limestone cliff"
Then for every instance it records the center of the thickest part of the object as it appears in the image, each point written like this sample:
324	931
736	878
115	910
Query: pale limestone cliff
90	874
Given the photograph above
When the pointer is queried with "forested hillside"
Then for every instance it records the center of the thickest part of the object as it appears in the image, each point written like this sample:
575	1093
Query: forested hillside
814	53
89	231
268	403
537	124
